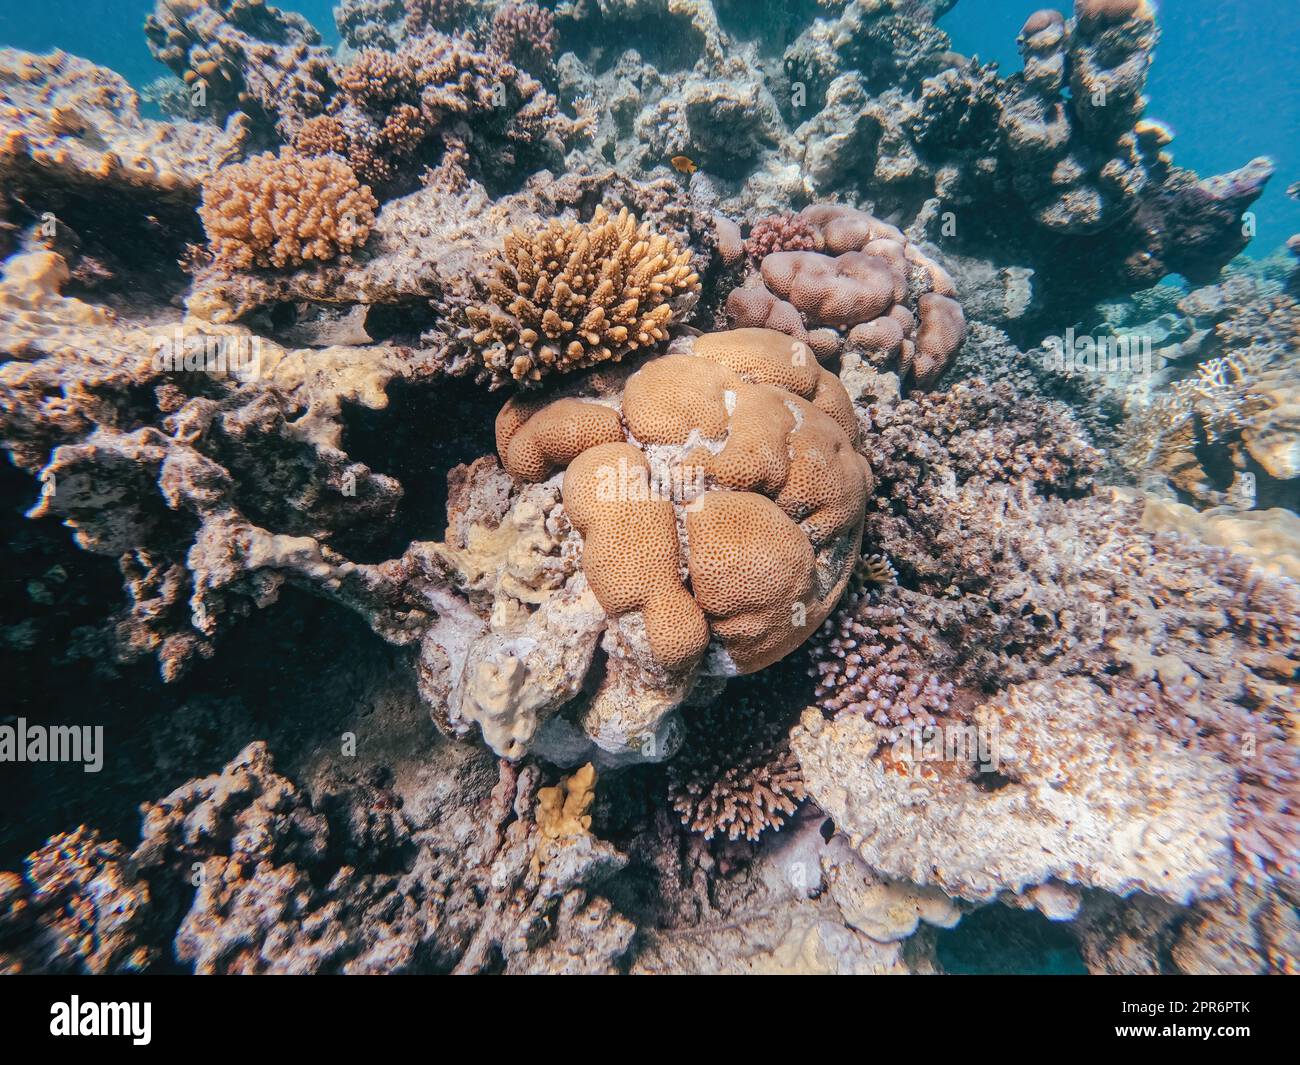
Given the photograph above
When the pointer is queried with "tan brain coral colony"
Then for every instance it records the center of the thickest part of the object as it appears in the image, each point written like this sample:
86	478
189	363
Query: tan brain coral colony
719	497
285	210
869	289
574	294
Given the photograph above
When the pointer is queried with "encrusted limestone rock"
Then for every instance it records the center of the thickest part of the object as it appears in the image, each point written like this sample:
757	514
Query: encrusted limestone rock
1083	793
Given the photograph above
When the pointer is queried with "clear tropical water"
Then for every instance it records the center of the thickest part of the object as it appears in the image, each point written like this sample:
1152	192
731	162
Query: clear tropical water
1224	78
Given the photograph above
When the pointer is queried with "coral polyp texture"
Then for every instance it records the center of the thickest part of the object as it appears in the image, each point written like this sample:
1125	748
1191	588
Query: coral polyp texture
285	210
743	441
868	288
645	486
575	294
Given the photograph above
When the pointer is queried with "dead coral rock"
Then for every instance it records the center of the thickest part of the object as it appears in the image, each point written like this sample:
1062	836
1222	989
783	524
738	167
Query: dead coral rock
81	907
370	23
49	106
194	405
75	154
244	55
284	210
1142	813
573	295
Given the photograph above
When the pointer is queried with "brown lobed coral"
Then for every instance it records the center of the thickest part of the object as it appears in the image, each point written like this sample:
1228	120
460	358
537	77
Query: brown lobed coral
576	294
870	289
285	209
436	14
731	462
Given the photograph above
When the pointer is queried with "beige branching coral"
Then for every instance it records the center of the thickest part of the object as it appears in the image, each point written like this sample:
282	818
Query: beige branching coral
1216	403
735	775
576	294
284	210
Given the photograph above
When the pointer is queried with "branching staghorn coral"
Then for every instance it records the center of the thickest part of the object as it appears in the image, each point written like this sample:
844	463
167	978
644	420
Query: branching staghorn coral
444	15
284	210
868	660
735	776
397	111
576	294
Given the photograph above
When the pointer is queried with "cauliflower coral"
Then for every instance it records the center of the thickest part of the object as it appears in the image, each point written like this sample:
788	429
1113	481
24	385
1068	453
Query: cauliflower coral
285	210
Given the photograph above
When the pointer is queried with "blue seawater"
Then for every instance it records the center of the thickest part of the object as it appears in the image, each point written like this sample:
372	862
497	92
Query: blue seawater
1224	77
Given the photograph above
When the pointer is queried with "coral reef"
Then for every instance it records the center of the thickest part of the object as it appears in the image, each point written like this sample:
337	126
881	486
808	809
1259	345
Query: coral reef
735	775
575	295
790	608
72	138
244	56
1227	402
867	104
780	452
873	292
272	898
284	210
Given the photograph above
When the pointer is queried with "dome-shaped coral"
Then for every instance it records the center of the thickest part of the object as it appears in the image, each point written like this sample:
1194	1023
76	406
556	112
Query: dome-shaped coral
719	496
866	287
575	294
284	210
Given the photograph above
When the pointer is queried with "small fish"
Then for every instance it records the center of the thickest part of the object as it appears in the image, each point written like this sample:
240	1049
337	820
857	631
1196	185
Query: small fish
685	164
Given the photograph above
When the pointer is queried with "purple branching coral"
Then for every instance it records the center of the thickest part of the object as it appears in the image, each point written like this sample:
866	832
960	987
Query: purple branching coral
399	112
424	15
735	775
868	660
525	35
